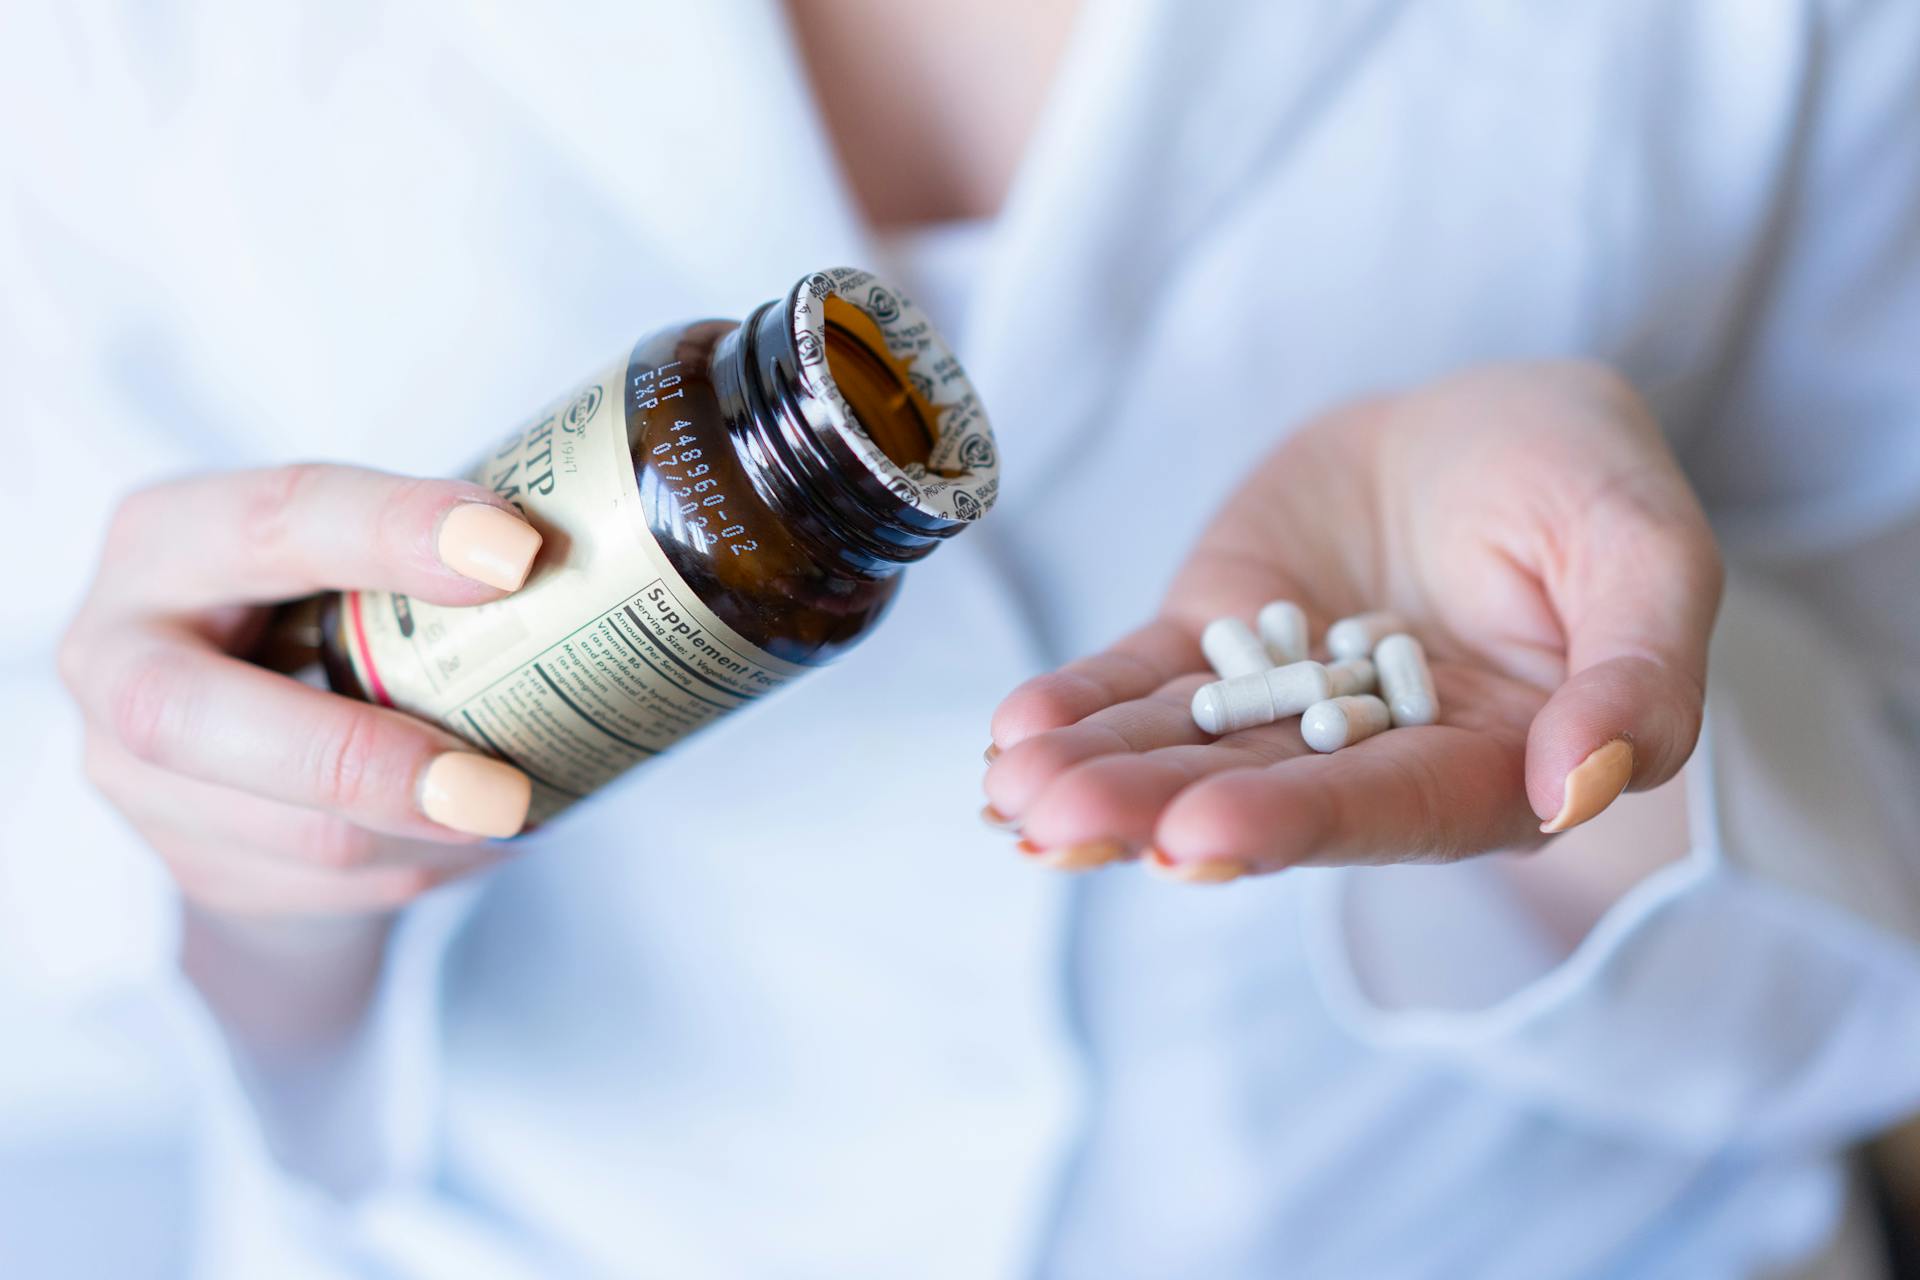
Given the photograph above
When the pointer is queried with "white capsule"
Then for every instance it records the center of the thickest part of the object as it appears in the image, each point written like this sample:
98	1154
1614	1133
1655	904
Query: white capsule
1355	637
1350	676
1341	722
1283	629
1228	706
1406	682
1232	649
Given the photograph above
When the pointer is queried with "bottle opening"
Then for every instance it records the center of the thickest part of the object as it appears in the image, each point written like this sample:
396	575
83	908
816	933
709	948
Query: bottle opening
882	384
878	391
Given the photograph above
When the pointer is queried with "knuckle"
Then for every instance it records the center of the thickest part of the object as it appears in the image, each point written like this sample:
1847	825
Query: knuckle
96	766
187	878
1049	756
266	517
147	702
388	889
1646	538
192	874
400	886
1712	568
1428	806
70	660
193	879
1652	513
208	887
1603	394
347	760
1603	382
133	519
410	507
334	843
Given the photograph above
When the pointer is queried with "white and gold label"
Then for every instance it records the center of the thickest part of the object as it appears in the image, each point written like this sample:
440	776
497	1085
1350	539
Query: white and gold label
605	657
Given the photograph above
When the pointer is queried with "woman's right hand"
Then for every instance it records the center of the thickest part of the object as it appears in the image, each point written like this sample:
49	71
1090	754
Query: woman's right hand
265	796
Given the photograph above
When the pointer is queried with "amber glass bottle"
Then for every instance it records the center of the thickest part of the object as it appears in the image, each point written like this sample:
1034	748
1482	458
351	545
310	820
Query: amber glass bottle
729	506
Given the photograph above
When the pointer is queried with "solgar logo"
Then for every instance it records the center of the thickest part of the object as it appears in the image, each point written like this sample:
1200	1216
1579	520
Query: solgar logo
581	411
966	506
820	284
977	453
808	345
882	306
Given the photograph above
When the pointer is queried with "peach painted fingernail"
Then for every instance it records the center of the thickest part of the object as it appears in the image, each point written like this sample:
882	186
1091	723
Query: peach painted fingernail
1595	783
1206	871
1075	857
475	794
1085	856
991	754
994	818
488	545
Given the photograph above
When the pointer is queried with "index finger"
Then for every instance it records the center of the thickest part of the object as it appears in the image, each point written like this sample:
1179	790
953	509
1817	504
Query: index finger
1132	668
247	537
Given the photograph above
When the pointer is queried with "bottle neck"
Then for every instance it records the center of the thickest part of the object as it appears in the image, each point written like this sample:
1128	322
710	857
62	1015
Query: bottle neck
801	464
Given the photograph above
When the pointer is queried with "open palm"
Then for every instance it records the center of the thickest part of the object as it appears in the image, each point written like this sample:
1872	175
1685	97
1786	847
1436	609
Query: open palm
1533	529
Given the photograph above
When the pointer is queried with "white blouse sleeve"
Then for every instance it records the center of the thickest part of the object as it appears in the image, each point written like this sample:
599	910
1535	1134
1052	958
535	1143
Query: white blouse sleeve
1766	989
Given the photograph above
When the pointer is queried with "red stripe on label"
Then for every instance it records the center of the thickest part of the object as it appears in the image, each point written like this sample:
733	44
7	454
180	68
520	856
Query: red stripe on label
378	690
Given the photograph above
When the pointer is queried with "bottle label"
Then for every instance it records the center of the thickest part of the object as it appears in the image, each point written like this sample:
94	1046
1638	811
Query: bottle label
605	657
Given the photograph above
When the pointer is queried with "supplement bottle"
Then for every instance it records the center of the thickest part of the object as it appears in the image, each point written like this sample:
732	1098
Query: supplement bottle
729	506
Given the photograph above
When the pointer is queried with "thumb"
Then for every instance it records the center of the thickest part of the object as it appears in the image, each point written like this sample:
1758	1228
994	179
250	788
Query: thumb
1637	596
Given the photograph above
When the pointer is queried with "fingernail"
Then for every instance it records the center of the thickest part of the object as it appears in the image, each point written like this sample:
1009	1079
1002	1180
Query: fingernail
991	754
994	818
1087	855
488	545
1205	871
475	794
1595	783
1084	856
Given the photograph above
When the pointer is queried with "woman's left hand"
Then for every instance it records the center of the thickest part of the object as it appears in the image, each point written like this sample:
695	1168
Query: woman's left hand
1533	529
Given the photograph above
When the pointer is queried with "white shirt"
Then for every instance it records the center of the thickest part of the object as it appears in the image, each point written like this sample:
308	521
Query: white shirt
777	1005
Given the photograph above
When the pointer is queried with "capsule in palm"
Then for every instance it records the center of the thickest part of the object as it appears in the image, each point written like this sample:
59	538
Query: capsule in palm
1283	630
1232	649
1355	637
1350	676
1406	682
1228	706
1341	722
